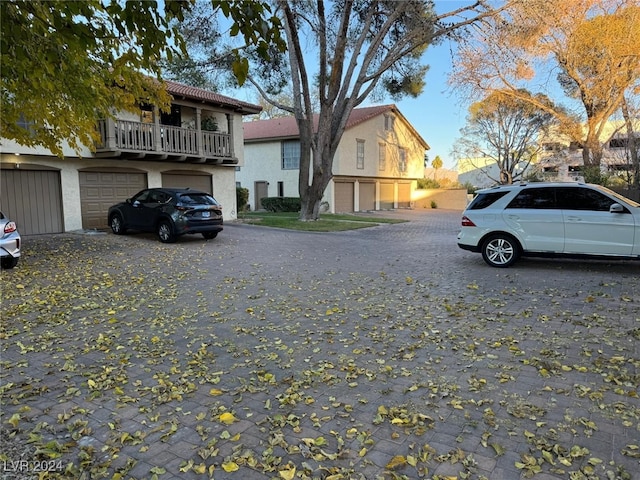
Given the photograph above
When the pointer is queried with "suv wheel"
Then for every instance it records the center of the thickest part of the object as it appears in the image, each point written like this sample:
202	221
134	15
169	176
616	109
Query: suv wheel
9	262
165	232
500	250
117	224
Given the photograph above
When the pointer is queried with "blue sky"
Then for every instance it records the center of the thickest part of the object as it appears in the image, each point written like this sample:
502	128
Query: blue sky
437	114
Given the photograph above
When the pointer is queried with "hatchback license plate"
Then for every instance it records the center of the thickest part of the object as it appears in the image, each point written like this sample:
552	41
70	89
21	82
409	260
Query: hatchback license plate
206	214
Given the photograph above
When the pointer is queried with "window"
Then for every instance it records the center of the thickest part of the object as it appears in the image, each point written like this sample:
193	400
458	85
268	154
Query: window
484	200
402	164
291	155
360	155
388	122
382	156
281	189
583	199
618	143
26	124
535	198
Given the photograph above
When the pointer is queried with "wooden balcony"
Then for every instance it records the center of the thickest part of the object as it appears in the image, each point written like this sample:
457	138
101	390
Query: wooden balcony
137	140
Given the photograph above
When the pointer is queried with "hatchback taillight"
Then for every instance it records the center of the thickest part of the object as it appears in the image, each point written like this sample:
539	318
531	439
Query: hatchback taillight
466	222
10	227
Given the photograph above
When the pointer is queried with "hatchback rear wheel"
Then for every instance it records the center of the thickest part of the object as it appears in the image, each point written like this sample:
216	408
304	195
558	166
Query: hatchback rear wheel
500	250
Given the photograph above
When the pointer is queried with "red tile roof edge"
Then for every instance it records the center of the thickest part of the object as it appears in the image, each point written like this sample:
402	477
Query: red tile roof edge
194	93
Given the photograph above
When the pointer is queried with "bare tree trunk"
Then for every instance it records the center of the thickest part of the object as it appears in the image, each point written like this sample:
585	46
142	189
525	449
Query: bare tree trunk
632	144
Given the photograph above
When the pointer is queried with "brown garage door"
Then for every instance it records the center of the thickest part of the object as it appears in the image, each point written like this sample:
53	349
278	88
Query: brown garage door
367	196
386	196
33	199
344	196
99	190
194	180
404	195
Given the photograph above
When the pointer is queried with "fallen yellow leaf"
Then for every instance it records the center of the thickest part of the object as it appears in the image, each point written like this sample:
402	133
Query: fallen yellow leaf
227	418
230	467
288	473
396	462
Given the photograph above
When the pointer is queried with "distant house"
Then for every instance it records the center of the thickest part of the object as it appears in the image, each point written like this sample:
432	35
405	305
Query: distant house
376	167
198	144
561	159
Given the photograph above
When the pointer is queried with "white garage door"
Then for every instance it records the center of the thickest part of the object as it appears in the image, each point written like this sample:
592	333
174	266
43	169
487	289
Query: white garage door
100	189
33	199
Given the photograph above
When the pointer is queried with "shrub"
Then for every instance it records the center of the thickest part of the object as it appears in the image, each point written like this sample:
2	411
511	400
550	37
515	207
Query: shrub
434	204
281	204
242	198
427	183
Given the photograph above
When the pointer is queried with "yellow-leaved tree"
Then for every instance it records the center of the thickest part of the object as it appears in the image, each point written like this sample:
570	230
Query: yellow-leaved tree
592	48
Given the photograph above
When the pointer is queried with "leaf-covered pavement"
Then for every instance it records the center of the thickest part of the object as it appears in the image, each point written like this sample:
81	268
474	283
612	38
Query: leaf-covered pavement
259	357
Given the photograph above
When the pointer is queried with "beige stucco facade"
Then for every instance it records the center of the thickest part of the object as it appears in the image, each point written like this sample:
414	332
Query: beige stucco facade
381	176
138	150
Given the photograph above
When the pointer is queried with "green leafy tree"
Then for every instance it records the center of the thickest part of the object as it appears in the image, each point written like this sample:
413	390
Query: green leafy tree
436	164
347	51
66	63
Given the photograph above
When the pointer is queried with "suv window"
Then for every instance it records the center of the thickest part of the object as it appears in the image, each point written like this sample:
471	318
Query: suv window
484	200
197	199
583	199
536	198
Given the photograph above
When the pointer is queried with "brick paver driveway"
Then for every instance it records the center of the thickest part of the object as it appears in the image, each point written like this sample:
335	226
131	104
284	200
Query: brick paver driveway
380	353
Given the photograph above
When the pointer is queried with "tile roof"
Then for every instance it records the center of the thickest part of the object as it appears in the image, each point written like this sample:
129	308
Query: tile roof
286	127
194	93
282	127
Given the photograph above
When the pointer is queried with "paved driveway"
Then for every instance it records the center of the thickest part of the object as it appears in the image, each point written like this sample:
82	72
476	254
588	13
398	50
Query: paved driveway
379	353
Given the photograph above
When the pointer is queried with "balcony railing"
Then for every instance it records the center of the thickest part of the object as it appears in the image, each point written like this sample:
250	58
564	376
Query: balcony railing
126	138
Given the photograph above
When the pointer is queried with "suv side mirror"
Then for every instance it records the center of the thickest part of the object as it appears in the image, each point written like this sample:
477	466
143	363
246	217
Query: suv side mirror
616	208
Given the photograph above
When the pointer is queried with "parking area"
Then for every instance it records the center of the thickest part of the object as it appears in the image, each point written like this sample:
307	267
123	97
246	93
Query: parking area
380	353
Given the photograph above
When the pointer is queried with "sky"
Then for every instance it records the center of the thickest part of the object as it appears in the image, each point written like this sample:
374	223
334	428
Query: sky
437	114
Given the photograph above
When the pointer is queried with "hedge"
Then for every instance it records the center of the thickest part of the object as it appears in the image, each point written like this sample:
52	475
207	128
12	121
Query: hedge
281	204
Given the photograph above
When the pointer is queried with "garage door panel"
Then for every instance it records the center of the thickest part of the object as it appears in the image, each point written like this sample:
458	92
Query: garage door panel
33	199
344	196
100	190
404	195
386	196
367	196
194	181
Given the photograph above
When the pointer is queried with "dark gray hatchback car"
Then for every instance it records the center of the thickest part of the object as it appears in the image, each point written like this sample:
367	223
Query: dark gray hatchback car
169	212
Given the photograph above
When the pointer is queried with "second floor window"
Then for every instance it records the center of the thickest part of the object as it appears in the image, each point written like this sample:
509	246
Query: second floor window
388	122
382	156
360	154
402	164
291	155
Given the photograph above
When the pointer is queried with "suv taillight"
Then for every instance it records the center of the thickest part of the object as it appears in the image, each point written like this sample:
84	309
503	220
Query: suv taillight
10	227
466	222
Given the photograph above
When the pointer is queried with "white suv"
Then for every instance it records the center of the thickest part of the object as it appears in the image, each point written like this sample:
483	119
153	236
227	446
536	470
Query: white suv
550	219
